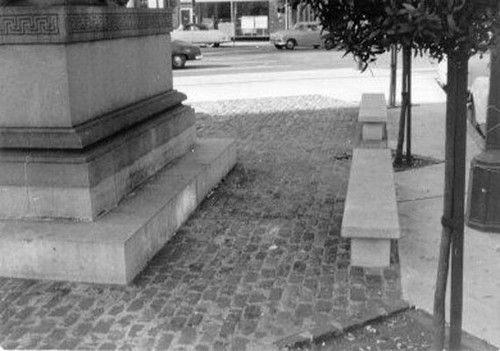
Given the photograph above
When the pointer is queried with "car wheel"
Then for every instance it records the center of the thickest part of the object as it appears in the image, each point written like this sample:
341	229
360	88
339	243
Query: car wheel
329	44
216	45
178	61
290	44
279	47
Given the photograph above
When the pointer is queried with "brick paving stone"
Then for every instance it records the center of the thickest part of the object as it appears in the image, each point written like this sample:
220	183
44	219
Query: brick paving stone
211	293
276	294
256	297
240	300
135	330
82	329
252	312
69	343
224	302
358	293
260	260
107	346
323	306
239	344
295	278
195	320
188	336
219	346
303	311
229	324
177	323
164	341
247	327
184	311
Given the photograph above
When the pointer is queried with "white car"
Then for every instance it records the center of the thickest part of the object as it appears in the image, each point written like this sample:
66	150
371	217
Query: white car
200	34
479	85
306	34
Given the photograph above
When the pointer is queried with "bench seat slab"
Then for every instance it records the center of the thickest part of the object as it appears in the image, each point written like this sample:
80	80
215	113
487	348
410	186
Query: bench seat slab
373	109
370	208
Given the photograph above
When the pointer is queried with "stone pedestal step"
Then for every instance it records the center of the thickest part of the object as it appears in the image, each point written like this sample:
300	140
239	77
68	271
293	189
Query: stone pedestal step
118	246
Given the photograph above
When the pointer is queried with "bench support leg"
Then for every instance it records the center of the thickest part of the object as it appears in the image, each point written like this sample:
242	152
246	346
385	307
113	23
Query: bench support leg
370	252
373	131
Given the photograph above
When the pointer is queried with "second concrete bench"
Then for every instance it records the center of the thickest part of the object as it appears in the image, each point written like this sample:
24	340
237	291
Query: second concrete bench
373	119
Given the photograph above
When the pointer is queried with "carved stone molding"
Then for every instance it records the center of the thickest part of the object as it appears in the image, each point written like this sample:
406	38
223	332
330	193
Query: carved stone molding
91	132
67	24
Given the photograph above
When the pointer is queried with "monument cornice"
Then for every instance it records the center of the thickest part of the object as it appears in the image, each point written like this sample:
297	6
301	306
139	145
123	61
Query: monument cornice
86	134
70	24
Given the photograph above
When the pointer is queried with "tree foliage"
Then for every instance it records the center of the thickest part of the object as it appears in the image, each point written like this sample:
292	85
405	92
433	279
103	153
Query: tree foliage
367	28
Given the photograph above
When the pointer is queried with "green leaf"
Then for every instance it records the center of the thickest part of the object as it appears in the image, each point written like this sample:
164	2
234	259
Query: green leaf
409	7
451	23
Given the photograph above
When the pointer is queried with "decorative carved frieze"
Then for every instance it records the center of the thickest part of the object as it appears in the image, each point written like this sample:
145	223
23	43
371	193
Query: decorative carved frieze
28	25
36	24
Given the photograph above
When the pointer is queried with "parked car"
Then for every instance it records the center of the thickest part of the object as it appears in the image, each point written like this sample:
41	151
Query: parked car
305	34
200	34
478	85
183	51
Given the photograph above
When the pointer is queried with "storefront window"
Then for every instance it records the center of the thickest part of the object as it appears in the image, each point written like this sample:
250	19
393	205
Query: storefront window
251	19
212	13
236	18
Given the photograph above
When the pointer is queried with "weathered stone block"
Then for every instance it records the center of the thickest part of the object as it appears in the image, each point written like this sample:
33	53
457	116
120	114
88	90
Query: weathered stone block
116	247
373	117
370	252
373	131
84	184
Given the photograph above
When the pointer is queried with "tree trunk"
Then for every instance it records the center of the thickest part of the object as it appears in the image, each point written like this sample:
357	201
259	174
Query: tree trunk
408	107
405	103
453	204
394	66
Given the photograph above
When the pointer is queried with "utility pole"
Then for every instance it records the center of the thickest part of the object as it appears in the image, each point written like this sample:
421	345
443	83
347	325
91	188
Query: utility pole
286	14
483	208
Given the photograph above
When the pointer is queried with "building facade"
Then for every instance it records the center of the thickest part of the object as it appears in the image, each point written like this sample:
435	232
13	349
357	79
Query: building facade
238	18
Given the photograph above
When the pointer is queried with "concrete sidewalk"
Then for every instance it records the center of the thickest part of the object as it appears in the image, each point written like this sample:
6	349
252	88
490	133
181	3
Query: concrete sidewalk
420	196
344	84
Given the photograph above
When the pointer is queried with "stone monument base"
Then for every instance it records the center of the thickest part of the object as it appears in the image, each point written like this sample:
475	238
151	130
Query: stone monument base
117	246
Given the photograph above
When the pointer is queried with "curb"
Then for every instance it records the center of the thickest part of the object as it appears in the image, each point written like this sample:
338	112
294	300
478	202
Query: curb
308	343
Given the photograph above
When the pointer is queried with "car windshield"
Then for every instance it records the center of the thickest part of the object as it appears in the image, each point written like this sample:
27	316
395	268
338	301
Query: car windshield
306	26
195	27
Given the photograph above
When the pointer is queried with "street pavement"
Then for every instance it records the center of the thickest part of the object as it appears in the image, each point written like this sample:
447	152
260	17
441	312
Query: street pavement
261	264
420	191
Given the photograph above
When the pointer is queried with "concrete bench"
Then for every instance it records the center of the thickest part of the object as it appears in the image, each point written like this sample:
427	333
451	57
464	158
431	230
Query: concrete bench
370	213
373	119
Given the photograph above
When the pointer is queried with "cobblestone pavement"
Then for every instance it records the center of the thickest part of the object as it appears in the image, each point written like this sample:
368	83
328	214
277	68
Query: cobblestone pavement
259	266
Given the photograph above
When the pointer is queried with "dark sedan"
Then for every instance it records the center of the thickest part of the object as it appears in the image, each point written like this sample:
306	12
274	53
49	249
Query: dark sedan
183	51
